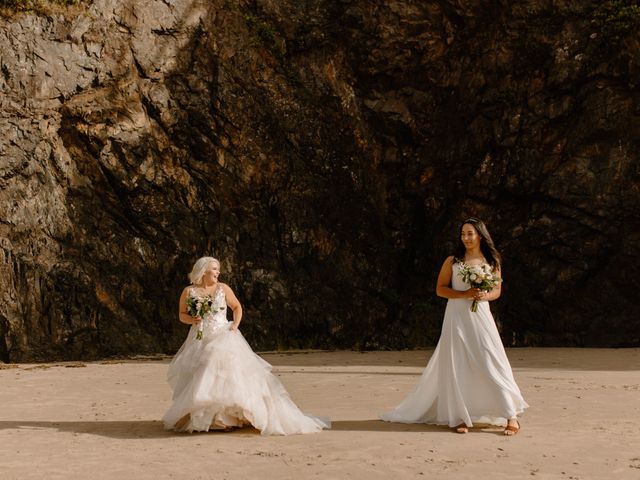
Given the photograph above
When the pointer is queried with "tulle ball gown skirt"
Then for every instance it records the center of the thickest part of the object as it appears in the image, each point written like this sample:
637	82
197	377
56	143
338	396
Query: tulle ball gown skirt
468	378
220	382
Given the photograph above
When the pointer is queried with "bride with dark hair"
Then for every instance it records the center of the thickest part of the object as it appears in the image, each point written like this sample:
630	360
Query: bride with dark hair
468	378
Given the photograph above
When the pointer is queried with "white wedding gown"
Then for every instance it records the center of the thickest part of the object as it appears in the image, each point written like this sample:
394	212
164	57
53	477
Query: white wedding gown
468	378
220	382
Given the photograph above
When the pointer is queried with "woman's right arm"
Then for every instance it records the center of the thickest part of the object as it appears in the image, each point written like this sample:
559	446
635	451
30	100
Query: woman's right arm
182	309
443	288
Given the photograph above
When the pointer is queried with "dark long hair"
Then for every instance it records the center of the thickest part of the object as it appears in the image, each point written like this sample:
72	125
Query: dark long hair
487	247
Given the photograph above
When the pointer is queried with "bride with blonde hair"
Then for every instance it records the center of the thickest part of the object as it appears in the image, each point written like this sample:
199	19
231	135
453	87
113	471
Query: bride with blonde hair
218	381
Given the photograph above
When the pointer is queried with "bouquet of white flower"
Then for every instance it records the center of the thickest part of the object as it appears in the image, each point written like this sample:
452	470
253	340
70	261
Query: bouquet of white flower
199	307
479	276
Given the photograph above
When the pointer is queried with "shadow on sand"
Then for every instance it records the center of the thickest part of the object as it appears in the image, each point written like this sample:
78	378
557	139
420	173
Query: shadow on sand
113	429
125	430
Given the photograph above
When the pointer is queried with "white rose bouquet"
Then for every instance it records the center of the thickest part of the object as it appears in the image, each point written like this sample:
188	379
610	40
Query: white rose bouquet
479	276
199	306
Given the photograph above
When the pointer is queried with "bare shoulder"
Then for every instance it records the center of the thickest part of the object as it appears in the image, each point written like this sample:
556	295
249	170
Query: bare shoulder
447	267
229	295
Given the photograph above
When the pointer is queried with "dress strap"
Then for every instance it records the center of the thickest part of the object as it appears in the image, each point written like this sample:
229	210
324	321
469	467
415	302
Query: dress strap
219	292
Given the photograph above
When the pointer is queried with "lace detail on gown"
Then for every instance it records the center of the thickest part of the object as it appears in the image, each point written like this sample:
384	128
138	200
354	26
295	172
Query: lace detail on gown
216	319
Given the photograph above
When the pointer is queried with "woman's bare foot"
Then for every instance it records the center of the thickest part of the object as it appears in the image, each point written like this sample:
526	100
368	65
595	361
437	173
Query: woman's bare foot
462	428
513	427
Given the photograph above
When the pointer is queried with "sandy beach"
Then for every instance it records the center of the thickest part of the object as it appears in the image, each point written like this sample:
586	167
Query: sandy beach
101	420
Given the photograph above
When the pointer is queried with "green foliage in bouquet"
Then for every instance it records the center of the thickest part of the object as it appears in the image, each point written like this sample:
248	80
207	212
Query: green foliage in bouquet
482	277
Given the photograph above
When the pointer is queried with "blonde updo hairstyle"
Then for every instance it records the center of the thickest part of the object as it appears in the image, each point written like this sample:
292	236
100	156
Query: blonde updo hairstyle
197	272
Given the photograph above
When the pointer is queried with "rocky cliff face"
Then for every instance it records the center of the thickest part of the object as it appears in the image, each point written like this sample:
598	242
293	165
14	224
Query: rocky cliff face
325	151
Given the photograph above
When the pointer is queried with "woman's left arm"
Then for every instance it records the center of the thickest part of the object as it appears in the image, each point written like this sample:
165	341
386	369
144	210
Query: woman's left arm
234	304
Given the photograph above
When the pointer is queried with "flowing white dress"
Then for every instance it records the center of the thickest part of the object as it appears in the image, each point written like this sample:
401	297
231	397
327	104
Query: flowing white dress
220	382
468	378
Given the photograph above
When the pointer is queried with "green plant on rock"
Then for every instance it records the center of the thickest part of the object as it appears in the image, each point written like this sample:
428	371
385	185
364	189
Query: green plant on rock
614	20
265	35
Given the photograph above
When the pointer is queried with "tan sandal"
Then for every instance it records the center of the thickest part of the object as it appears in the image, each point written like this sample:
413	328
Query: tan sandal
510	430
462	428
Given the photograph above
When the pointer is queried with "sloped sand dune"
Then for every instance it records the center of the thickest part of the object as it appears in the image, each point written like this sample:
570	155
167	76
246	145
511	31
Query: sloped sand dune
100	420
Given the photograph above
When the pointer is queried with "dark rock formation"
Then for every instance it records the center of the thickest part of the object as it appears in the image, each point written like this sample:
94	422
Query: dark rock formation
325	151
